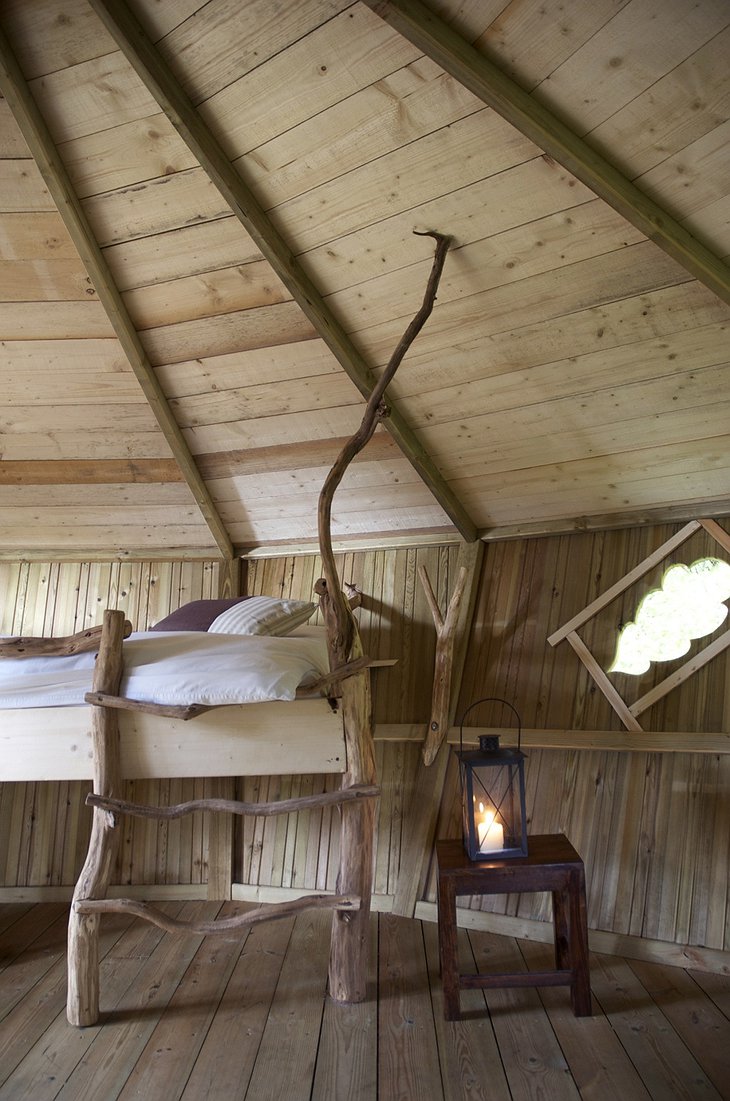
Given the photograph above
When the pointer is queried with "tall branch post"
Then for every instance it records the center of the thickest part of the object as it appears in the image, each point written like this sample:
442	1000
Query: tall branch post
348	951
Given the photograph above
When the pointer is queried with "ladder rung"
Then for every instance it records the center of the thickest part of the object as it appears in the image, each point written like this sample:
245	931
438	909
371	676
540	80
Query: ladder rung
270	912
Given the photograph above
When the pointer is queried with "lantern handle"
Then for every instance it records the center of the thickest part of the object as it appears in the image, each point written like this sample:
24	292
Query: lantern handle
490	699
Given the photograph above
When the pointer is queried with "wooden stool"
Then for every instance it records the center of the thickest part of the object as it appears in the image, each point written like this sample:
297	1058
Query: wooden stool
552	864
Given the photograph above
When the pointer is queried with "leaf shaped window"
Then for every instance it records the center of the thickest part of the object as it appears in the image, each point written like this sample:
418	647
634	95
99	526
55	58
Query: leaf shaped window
690	604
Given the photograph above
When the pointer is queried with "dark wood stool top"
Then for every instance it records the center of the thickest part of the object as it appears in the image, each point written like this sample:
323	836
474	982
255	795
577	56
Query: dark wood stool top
551	864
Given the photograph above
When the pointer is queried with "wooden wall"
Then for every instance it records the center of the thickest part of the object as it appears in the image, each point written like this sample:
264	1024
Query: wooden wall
653	827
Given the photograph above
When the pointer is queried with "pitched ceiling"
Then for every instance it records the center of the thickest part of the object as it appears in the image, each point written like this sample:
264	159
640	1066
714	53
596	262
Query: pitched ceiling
207	217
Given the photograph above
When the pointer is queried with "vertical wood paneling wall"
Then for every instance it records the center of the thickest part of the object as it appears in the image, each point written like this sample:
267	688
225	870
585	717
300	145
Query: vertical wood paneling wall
653	828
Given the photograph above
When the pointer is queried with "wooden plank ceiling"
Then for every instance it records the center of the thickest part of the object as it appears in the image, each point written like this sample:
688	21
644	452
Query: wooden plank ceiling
207	255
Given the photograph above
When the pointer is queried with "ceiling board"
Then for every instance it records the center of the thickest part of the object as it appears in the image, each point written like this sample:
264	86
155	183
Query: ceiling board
571	374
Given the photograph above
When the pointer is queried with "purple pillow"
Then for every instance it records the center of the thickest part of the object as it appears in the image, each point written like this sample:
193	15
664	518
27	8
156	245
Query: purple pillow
197	615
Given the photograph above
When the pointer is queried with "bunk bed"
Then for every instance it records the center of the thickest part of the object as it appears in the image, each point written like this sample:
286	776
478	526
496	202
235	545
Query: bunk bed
172	704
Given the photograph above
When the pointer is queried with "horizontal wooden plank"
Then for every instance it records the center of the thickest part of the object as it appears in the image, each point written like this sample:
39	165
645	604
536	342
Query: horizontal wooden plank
131	416
40	39
656	123
644	741
498	386
54	321
161	257
94	494
481	145
106	540
245	287
642	45
692	388
299	504
681	430
402	107
231	332
296	456
212	48
409	518
249	738
309	395
617	277
56	472
625	321
115	513
57	443
12	144
528	191
357	51
35	236
275	431
154	206
111	159
551	244
41	280
247	367
98	94
273	485
22	188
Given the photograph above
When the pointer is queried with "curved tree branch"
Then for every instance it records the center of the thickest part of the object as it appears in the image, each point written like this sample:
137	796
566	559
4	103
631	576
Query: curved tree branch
335	609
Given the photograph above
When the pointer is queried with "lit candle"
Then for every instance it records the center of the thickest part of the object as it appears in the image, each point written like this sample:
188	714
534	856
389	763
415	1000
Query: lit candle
489	832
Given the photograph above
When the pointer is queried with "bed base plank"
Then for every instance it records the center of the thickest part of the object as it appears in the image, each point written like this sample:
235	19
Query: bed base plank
82	1006
239	740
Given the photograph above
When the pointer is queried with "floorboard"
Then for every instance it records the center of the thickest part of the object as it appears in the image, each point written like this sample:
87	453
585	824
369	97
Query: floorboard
193	1018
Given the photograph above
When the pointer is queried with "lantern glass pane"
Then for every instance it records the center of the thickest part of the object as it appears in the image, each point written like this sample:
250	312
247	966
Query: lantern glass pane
493	801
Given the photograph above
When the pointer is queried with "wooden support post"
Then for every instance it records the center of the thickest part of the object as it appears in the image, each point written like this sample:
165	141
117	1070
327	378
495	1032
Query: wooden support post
349	943
423	808
82	1007
221	834
444	663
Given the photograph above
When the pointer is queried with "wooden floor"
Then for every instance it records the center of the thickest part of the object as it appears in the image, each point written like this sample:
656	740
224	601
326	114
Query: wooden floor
190	1018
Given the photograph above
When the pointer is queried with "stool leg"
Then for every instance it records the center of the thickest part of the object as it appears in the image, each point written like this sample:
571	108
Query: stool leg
561	930
580	990
448	950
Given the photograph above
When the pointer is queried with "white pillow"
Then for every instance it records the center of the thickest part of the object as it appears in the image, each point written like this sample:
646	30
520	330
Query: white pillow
262	615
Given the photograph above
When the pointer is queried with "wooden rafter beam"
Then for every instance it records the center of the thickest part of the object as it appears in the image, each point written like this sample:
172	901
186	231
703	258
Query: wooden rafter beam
162	85
33	127
458	58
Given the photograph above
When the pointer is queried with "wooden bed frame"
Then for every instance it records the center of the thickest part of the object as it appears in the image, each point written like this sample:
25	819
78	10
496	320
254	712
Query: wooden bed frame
115	739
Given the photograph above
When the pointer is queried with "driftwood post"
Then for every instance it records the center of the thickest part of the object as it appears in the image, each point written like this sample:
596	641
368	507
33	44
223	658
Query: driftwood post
443	667
82	1006
348	954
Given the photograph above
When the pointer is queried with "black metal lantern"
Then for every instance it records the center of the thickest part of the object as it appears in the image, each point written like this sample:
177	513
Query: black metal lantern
493	796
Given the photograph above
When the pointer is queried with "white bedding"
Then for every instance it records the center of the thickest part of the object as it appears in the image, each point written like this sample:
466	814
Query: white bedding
180	668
